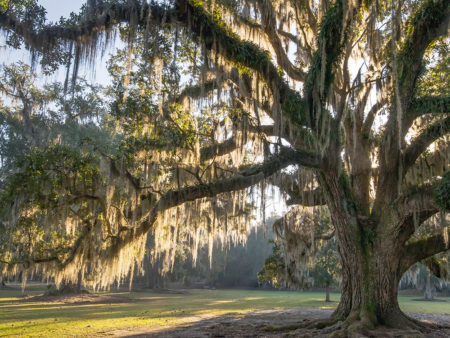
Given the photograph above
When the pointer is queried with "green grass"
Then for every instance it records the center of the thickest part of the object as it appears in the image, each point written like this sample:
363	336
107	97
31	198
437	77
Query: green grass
148	309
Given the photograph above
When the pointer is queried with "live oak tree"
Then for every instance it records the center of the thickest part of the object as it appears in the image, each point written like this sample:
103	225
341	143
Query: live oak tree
338	103
36	118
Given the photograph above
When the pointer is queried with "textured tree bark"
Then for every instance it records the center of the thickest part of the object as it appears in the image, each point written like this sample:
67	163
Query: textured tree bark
369	293
371	265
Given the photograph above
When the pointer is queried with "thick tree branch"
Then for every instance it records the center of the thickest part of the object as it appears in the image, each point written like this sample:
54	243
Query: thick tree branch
429	105
245	179
414	208
370	118
227	146
242	180
54	258
214	35
218	149
188	13
270	28
332	38
425	248
424	140
428	23
103	16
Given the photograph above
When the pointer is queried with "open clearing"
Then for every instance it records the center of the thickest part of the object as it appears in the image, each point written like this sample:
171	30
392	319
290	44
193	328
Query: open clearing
191	313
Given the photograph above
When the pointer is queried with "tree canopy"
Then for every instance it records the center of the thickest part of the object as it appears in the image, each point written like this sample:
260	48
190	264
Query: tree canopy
337	103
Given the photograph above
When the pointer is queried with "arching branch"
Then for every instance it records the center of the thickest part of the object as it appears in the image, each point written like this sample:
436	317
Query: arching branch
331	42
424	140
414	208
428	23
218	149
425	248
242	180
429	105
54	257
424	105
215	36
370	118
270	28
103	16
173	198
227	146
245	179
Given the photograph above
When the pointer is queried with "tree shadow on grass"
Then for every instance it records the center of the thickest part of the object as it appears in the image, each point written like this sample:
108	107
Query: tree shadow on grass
81	299
253	324
278	323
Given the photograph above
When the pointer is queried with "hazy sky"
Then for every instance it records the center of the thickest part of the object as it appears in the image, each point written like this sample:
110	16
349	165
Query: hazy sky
57	8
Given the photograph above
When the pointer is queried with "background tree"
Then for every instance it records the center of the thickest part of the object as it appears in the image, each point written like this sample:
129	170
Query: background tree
274	269
326	270
338	111
33	121
316	264
419	277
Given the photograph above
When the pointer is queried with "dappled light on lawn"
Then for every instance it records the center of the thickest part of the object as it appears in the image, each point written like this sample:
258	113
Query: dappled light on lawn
149	310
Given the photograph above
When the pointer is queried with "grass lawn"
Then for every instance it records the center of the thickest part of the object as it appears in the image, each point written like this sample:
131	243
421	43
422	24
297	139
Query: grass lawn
148	309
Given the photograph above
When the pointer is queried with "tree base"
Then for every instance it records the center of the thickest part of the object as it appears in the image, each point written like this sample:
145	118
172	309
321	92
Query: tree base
356	325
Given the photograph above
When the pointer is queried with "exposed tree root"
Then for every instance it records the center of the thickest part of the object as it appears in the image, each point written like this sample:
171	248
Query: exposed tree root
359	324
398	325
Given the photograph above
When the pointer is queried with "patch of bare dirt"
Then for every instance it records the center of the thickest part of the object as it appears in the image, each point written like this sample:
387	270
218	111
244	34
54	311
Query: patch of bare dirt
260	324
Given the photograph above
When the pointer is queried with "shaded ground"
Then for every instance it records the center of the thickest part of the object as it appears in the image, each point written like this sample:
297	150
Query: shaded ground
81	299
259	324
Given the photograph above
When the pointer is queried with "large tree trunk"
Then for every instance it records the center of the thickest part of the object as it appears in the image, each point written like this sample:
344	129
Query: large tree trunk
371	267
369	293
